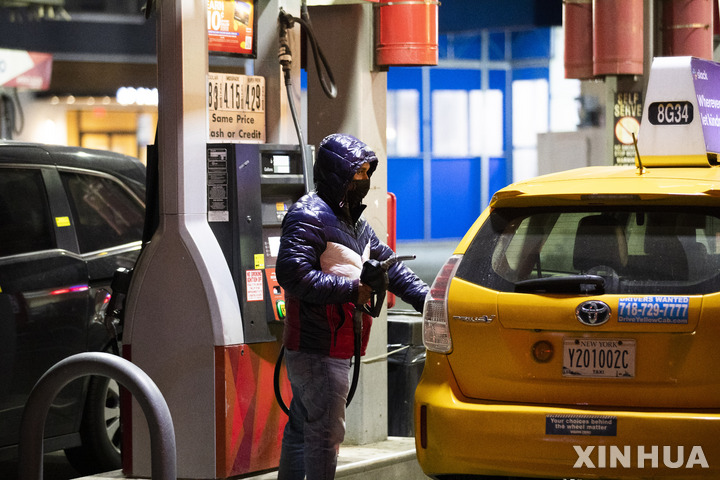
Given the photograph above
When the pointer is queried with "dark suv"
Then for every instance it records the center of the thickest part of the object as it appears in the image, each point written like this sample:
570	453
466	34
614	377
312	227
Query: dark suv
69	218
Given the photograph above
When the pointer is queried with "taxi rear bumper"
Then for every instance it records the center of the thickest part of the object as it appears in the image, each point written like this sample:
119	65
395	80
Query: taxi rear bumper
456	435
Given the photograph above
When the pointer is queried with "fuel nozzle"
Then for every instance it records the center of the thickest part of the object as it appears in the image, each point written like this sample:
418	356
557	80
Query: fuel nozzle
285	22
390	261
114	310
374	274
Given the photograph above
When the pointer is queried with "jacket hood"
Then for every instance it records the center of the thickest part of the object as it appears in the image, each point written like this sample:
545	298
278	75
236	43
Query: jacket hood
339	156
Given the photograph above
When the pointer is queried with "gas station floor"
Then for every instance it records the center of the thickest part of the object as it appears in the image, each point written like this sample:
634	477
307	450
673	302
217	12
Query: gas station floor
392	459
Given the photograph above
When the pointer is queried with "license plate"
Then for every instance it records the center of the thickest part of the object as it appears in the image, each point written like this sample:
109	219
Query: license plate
599	357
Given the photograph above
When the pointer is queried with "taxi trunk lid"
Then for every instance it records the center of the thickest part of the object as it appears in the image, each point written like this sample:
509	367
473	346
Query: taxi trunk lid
645	344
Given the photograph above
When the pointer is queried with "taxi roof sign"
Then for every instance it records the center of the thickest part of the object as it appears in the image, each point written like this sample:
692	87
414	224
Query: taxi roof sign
681	116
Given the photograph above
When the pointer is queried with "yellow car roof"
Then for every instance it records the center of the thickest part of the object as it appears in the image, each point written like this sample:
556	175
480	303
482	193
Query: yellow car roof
615	185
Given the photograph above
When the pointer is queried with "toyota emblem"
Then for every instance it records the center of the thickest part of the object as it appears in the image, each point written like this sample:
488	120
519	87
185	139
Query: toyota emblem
593	313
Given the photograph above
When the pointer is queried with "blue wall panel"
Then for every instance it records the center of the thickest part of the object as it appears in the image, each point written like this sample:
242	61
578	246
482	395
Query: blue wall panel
497	80
404	78
455	196
498	175
467	47
405	180
531	73
496	50
456	79
531	43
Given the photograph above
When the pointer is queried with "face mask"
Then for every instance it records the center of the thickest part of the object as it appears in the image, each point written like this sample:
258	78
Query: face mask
357	191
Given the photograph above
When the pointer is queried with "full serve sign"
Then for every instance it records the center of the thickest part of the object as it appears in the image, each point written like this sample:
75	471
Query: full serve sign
236	108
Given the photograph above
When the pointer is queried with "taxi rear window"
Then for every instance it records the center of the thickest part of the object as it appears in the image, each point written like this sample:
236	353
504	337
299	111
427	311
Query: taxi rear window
634	250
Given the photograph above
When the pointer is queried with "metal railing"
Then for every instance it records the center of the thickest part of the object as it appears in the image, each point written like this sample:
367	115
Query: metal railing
32	427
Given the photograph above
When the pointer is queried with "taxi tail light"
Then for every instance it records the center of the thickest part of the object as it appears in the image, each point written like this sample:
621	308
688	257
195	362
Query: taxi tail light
436	330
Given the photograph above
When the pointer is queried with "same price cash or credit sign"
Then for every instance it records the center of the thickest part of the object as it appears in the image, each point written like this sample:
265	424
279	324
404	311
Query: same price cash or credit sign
236	108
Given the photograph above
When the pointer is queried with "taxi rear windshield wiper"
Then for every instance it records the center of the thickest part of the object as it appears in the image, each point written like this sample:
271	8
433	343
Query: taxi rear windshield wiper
584	284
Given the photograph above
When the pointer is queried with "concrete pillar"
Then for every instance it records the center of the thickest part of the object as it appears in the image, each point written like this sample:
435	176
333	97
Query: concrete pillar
345	33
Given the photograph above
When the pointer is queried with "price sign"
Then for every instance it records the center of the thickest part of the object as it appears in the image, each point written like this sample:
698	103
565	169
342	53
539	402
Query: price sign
236	108
670	113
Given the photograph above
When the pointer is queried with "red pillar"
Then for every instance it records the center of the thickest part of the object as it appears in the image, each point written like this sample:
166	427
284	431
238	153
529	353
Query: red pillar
688	28
618	37
578	23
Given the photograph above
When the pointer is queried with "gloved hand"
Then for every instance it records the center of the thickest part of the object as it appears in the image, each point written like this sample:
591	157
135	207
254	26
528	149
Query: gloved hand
375	275
364	294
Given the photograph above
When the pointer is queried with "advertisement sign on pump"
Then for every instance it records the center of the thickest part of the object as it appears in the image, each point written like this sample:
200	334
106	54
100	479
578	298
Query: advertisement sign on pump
231	27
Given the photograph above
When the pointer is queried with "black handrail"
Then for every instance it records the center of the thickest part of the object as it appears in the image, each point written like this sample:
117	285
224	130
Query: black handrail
32	426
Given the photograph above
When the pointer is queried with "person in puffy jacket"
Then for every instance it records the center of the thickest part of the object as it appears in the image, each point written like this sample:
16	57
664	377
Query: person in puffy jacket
325	241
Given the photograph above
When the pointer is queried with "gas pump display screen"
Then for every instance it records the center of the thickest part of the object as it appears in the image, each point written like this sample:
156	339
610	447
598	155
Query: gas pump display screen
271	244
281	163
231	27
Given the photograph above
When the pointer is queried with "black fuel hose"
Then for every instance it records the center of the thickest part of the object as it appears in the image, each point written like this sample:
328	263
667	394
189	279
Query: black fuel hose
357	331
369	274
356	366
325	75
327	81
276	382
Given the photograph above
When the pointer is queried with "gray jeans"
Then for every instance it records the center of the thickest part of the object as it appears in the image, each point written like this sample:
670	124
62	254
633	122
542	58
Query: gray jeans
316	426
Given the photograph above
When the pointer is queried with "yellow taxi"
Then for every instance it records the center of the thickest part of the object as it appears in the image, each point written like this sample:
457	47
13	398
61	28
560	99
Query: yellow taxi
575	331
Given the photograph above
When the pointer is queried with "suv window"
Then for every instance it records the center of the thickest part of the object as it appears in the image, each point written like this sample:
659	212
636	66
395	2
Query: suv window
635	250
106	215
25	224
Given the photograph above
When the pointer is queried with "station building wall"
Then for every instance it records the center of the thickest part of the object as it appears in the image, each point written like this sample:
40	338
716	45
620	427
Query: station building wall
461	130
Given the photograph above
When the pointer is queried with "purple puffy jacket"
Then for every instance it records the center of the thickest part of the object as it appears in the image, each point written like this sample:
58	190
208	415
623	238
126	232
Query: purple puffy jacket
321	254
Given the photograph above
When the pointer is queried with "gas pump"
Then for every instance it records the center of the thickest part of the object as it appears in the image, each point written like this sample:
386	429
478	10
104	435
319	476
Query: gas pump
262	181
250	188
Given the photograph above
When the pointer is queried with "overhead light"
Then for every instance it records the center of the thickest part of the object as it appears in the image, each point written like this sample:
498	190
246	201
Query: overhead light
137	96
